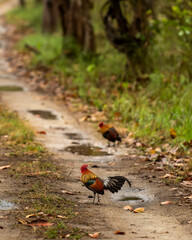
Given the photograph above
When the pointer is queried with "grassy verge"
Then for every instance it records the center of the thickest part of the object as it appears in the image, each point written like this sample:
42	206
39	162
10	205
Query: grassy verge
31	164
148	110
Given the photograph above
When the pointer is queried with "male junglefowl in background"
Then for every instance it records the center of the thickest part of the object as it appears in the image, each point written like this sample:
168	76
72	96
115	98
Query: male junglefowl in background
97	185
109	132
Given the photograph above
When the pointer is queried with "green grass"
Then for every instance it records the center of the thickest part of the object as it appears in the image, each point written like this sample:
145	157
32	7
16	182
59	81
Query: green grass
29	17
149	110
14	128
62	230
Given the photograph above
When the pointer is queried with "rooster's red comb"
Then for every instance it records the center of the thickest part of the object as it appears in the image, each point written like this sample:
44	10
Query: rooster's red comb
84	166
100	124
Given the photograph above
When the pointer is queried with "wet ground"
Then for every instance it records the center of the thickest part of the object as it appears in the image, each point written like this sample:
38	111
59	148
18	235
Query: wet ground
5	205
73	144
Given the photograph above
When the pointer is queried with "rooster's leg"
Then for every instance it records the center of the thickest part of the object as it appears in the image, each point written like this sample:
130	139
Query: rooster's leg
98	199
108	144
94	197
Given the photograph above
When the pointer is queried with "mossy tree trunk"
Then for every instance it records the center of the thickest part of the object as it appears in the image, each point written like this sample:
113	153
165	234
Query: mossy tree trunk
74	16
76	22
127	28
22	3
49	16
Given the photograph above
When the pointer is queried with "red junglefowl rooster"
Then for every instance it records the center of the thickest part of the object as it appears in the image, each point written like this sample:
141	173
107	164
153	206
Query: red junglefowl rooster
109	132
97	185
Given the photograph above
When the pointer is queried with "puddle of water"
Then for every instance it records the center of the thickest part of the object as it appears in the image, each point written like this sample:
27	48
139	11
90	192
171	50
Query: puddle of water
4	205
45	114
58	128
10	88
86	150
127	199
100	159
74	136
132	196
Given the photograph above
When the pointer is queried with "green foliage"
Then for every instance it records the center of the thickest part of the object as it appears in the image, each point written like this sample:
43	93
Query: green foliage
29	17
162	105
174	43
49	46
13	127
53	232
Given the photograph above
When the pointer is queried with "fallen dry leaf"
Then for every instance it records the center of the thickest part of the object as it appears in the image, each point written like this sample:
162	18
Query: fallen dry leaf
85	118
111	163
187	183
119	232
138	210
189	197
158	150
5	167
94	235
167	175
41	132
166	202
40	222
152	151
172	133
63	217
21	221
128	208
31	215
36	222
67	192
35	214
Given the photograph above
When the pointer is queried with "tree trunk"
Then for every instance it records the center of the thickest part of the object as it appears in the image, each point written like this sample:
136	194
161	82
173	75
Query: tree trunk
75	21
22	3
130	37
49	16
38	1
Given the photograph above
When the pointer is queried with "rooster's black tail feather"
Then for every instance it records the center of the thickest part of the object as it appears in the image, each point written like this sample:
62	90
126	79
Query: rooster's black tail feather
114	184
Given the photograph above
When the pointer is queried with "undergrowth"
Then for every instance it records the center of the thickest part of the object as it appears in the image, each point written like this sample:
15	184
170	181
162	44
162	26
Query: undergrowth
148	109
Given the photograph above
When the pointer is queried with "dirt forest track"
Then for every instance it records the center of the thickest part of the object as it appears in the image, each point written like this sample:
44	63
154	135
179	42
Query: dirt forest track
74	143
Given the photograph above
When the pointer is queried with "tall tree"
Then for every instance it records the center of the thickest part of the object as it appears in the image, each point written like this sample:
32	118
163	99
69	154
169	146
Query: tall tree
127	28
49	16
22	3
74	16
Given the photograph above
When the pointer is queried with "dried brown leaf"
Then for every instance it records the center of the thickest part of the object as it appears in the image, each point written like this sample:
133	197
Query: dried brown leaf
67	192
172	133
40	222
94	235
167	175
189	197
138	210
120	233
187	183
85	118
41	132
129	208
166	202
152	151
63	217
5	167
21	221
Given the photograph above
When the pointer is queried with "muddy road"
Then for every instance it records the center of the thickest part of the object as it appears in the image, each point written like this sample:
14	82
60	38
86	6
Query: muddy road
74	143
